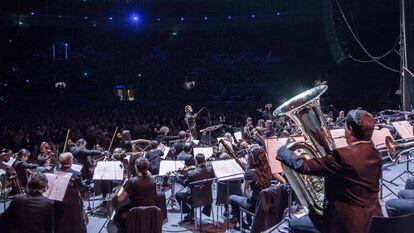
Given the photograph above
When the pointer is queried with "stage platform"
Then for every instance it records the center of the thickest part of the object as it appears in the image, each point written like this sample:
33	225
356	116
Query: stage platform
175	225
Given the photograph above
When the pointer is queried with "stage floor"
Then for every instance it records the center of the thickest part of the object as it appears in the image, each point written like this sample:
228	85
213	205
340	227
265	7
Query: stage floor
174	217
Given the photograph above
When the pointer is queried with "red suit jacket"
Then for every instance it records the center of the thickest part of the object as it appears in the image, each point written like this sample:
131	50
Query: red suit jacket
352	177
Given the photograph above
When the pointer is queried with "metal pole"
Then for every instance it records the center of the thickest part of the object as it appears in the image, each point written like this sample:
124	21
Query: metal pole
405	93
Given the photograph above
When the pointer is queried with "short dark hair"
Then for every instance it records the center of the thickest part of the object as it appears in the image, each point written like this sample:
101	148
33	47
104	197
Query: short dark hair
187	147
200	158
153	144
23	152
81	142
182	134
362	124
37	183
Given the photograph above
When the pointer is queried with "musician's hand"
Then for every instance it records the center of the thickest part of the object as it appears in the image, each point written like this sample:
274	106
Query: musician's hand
195	115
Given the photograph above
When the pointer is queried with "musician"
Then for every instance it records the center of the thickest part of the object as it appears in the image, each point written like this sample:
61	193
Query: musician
141	189
341	116
154	157
190	120
352	177
257	177
261	126
248	129
200	173
179	145
270	130
30	212
163	136
69	213
45	154
405	202
228	140
22	166
186	155
84	156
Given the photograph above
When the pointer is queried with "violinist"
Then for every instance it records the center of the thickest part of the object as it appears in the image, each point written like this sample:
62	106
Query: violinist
22	167
200	173
154	157
84	156
179	145
186	155
69	213
46	156
141	189
228	140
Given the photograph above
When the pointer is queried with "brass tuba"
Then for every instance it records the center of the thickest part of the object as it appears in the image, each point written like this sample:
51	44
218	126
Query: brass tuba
396	149
304	109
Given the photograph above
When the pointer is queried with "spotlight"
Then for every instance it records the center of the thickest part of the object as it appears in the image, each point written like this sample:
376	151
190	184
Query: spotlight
182	18
253	16
174	33
135	18
110	18
205	18
86	17
277	13
32	13
20	23
158	19
59	16
85	74
27	81
229	17
94	25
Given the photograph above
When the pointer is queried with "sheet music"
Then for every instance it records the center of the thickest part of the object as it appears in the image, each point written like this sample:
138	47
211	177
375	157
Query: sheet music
218	139
404	129
227	169
195	142
57	185
338	136
109	170
77	167
238	136
170	166
165	150
378	137
272	146
10	163
206	151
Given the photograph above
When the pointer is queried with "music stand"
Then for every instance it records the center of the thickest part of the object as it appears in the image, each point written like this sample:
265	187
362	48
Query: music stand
170	168
405	130
57	184
226	171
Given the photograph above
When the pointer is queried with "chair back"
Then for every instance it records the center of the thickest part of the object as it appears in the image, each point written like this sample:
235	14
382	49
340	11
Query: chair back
201	194
270	206
145	219
400	224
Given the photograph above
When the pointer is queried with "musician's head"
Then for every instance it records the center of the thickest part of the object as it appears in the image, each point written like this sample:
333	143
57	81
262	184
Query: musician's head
164	130
182	135
359	125
188	146
126	136
81	142
66	159
227	137
269	124
261	123
342	114
37	183
153	144
188	109
23	154
200	160
44	147
5	155
141	166
249	120
257	161
118	154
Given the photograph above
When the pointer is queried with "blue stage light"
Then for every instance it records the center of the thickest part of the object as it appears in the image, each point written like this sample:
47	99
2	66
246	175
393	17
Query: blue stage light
277	13
253	16
182	18
110	18
158	19
32	13
135	18
20	23
86	17
205	18
85	74
229	17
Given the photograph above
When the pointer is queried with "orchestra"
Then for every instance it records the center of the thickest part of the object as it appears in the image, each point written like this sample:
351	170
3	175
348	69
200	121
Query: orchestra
351	176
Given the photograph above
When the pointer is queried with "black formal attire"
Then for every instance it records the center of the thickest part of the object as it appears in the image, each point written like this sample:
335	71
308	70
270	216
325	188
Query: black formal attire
249	202
352	177
41	159
178	147
405	202
164	139
190	120
187	158
84	156
69	213
28	213
141	192
20	167
154	157
200	173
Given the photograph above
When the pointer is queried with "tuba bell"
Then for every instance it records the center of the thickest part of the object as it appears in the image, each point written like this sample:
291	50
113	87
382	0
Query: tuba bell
304	109
396	149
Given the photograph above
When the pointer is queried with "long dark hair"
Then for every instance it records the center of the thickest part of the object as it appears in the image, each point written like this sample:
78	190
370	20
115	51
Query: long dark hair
142	165
258	163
